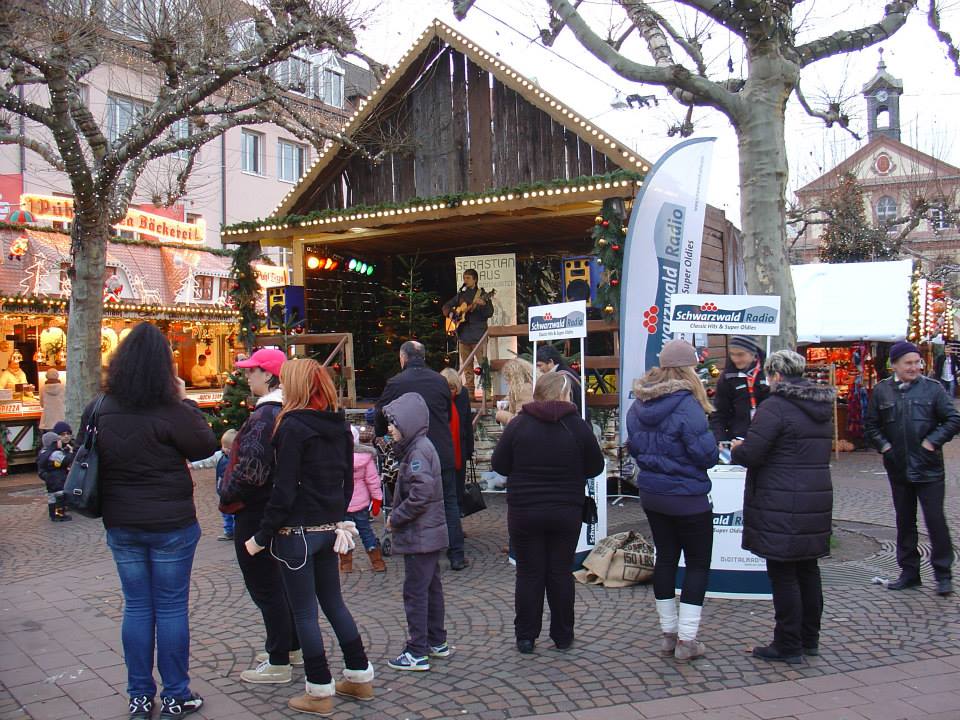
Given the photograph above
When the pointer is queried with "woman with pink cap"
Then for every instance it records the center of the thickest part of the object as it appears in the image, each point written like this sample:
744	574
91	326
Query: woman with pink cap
246	489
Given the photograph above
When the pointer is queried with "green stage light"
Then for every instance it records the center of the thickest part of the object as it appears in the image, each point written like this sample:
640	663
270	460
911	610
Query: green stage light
370	270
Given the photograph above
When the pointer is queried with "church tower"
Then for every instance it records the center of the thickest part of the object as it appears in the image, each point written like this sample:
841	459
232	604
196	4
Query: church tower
883	103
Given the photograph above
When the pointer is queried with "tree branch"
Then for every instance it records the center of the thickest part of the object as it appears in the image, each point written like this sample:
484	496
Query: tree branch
829	116
933	20
639	12
724	14
702	91
37	113
47	152
844	41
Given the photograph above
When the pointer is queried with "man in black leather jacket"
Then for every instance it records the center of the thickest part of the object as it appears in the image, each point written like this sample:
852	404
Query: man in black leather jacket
909	420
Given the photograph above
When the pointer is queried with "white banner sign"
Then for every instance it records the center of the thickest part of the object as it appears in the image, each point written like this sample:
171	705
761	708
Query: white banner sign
726	314
497	272
661	258
561	321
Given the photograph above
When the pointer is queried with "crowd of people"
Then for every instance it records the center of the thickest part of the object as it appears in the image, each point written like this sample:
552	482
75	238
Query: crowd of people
297	485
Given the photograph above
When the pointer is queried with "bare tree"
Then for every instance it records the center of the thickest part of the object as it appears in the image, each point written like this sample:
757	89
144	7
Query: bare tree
755	104
203	62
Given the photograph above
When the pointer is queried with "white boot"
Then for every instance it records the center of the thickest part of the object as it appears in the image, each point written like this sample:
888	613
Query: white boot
667	610
317	700
688	624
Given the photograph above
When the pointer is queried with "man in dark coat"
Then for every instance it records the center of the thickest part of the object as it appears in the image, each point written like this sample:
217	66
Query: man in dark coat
740	390
946	369
788	501
909	420
474	324
416	377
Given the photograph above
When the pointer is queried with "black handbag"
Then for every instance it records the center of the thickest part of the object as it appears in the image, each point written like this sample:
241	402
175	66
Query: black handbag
473	501
589	516
81	491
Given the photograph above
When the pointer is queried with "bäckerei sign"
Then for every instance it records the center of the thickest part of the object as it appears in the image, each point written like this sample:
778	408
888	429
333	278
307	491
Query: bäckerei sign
726	314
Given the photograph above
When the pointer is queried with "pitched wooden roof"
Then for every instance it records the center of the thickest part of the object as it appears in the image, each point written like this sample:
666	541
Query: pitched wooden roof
540	138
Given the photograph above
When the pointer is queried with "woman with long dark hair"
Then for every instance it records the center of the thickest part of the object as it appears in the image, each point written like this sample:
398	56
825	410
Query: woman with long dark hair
304	529
146	432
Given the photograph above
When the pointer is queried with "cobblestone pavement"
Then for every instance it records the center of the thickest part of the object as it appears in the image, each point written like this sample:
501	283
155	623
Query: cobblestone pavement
60	610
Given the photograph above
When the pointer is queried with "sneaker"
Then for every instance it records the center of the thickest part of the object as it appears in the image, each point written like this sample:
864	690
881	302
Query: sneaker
141	706
440	651
296	657
406	661
174	707
226	537
266	673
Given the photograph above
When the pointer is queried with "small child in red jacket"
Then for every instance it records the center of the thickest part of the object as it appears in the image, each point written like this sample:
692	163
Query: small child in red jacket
367	498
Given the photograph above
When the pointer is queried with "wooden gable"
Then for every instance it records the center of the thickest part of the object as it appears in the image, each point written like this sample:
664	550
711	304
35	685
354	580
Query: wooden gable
461	122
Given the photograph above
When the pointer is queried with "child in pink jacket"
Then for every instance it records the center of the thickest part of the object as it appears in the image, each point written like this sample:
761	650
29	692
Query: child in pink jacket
367	498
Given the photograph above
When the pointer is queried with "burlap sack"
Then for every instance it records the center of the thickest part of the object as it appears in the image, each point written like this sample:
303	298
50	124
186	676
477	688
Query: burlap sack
618	561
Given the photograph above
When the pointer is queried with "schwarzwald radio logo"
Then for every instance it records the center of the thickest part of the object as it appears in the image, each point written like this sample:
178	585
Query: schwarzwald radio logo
710	312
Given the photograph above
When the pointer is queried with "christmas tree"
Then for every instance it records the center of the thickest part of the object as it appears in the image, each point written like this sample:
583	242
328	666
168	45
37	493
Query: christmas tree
847	236
609	235
411	313
234	407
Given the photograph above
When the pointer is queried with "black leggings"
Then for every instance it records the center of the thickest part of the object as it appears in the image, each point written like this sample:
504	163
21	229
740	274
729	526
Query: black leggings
692	534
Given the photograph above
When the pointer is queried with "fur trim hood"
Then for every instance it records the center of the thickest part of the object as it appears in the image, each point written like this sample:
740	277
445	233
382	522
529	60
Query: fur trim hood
646	393
815	400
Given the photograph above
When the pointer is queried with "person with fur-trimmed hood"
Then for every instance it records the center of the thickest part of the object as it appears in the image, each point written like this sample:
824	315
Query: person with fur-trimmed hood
674	448
788	501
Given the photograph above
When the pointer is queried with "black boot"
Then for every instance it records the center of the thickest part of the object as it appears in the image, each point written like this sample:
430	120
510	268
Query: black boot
52	510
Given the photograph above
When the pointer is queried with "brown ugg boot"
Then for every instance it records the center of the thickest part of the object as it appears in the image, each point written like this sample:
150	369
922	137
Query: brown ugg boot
346	562
356	684
376	560
317	700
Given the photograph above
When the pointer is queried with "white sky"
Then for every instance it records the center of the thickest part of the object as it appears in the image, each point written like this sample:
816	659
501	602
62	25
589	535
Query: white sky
930	102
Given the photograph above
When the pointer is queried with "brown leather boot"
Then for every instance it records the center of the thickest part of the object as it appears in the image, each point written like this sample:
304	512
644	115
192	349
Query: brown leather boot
346	562
317	700
357	684
376	560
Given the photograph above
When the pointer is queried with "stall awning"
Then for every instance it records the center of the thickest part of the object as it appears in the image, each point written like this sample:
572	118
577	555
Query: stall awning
852	301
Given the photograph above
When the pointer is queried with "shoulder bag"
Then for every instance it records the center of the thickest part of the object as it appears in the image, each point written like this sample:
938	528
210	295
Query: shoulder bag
81	492
473	501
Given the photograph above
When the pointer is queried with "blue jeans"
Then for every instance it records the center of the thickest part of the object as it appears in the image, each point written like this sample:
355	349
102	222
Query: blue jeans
228	522
451	508
317	579
154	570
367	536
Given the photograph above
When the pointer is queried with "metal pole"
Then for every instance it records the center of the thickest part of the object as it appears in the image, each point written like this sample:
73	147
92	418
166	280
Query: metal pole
583	378
534	363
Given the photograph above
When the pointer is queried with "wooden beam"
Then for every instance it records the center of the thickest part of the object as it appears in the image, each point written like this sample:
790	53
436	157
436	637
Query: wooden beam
458	150
481	136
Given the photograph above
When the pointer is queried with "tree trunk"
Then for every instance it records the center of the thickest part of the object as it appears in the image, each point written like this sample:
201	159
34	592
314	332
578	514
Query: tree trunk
763	184
90	232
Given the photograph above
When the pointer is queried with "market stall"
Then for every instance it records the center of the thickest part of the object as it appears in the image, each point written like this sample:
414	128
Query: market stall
179	289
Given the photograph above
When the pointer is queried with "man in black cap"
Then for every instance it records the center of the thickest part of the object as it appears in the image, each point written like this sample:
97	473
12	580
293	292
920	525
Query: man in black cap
909	420
740	389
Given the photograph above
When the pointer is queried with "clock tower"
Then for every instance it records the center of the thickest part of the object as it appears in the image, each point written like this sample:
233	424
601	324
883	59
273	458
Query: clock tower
883	103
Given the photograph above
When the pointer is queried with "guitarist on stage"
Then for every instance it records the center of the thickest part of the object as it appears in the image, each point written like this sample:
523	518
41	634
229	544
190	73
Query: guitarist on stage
473	321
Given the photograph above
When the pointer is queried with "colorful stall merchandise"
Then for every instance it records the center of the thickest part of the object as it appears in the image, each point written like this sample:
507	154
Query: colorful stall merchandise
851	370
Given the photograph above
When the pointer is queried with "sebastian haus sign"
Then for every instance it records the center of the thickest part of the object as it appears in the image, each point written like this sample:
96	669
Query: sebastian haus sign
725	314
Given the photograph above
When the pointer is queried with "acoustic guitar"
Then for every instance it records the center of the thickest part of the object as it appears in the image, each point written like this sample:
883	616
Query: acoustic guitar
459	313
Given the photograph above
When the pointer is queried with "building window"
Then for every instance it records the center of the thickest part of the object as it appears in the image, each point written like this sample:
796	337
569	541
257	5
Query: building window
292	74
225	284
331	91
122	114
203	287
886	209
181	130
291	159
134	18
939	219
251	150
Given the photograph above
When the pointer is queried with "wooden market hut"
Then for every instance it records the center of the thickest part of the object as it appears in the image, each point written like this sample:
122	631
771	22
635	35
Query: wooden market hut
473	158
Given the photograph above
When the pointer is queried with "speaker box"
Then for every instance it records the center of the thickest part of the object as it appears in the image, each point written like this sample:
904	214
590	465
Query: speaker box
581	275
286	306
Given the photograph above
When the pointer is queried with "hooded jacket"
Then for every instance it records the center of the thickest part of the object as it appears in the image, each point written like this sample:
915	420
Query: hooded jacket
547	452
53	463
247	481
145	483
432	387
53	402
788	496
366	479
418	520
313	474
668	436
901	418
732	402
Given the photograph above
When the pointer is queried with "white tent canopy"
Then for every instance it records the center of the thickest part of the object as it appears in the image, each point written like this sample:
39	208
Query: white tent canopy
852	301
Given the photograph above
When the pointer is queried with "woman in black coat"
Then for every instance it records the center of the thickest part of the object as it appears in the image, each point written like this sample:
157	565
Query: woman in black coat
547	453
740	390
788	501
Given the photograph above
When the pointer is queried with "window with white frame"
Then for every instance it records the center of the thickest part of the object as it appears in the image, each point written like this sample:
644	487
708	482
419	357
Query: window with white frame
251	151
293	74
243	36
133	18
181	130
203	287
332	93
122	114
886	209
291	159
939	220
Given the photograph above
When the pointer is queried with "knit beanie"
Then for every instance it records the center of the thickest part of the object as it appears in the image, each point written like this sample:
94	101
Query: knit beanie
62	427
49	439
745	343
678	353
902	348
